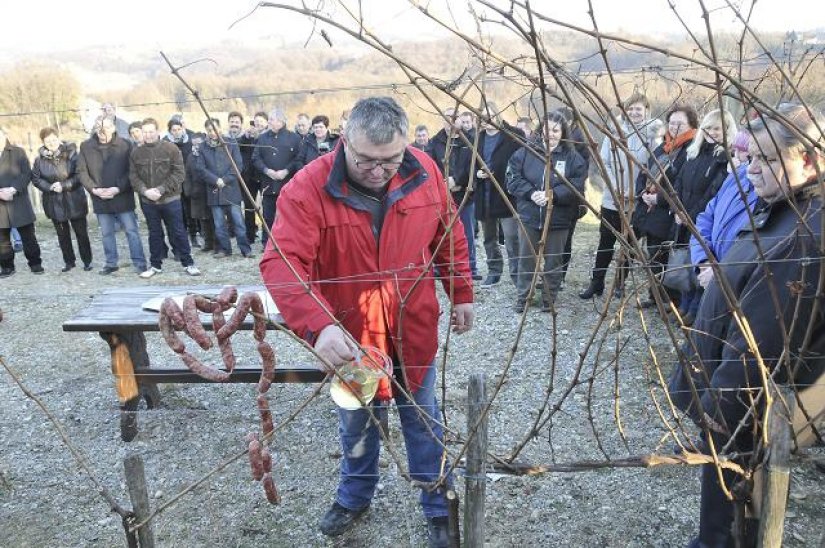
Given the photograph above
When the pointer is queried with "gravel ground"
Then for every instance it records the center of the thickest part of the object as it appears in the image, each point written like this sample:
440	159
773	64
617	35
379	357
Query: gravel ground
46	499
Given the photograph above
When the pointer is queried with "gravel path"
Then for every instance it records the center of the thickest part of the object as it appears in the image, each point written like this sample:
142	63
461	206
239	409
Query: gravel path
46	500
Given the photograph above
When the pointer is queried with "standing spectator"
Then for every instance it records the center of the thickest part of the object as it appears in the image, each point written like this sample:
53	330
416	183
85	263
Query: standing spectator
182	138
16	208
156	172
103	169
319	141
456	171
276	159
527	184
468	122
320	222
108	110
493	202
223	192
526	126
622	169
64	199
699	180
134	134
652	217
342	123
777	330
422	137
247	140
195	188
303	125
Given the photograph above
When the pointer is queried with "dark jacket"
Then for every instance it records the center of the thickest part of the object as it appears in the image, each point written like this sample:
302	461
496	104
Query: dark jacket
527	176
185	146
490	204
103	166
71	202
276	151
212	164
699	180
658	221
786	277
579	142
157	165
247	144
15	172
460	160
312	149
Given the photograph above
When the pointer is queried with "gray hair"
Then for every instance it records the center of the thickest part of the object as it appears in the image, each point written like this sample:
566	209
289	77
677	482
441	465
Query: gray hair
380	119
796	137
277	114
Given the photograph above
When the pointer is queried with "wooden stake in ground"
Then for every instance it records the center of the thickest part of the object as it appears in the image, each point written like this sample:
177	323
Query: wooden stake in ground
777	468
476	478
136	481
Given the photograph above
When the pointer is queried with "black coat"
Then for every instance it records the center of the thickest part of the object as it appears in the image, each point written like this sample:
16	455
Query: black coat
103	166
276	151
311	149
72	202
212	164
490	204
15	172
782	276
698	181
461	156
658	221
527	176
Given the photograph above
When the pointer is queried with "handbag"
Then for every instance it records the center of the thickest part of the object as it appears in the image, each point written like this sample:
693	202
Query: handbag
679	273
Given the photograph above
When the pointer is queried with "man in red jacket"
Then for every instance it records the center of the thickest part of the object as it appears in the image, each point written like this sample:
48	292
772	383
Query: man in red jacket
362	227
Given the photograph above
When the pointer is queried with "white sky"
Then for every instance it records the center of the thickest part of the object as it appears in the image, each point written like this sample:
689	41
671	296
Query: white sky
49	25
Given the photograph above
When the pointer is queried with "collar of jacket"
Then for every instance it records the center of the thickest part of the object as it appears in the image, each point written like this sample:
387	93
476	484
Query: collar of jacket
410	176
763	210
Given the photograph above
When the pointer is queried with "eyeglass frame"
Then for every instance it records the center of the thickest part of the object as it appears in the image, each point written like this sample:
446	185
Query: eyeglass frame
385	165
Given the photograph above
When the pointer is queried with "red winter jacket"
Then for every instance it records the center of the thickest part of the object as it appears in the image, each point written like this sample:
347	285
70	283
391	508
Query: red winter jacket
326	235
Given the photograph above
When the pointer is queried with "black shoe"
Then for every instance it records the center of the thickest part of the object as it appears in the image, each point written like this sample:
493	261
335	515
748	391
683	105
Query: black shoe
595	289
476	277
519	307
547	306
437	532
6	272
491	281
250	255
338	519
647	303
106	270
618	293
87	267
67	268
38	269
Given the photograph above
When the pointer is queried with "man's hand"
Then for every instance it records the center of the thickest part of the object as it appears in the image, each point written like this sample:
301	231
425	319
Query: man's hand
451	183
481	174
56	187
334	346
219	183
705	275
6	194
271	173
539	198
153	194
281	174
462	318
679	219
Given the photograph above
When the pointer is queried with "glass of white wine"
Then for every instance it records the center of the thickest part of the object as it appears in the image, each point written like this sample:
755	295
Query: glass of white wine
359	378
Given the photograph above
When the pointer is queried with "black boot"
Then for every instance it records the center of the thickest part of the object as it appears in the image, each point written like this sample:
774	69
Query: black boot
595	289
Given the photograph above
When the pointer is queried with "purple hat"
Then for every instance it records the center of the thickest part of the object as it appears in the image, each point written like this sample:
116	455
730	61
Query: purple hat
741	140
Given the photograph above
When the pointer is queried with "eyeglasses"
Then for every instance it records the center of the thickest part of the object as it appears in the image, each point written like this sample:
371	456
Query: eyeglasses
369	165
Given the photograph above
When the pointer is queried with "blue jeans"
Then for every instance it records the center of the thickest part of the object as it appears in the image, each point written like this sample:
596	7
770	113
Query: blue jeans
222	234
468	219
128	220
170	215
360	445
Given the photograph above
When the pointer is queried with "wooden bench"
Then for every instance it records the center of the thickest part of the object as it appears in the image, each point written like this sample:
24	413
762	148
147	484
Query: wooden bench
117	314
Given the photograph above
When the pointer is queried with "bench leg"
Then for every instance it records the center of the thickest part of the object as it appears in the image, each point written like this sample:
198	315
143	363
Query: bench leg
128	350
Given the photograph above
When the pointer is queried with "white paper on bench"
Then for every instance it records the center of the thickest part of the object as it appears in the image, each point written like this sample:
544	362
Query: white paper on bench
154	303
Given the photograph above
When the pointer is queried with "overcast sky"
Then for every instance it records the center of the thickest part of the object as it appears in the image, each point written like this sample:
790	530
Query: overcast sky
59	25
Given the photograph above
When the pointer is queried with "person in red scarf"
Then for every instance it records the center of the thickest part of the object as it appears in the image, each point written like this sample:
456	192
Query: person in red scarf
652	217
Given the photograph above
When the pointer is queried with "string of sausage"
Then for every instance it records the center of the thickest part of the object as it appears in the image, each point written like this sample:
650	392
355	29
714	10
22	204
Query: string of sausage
173	319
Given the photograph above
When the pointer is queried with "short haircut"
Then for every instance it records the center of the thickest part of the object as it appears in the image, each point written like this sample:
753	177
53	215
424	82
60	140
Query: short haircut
556	117
690	113
277	114
379	119
234	114
133	125
175	121
262	114
303	115
214	123
45	132
637	98
320	119
796	138
148	122
421	127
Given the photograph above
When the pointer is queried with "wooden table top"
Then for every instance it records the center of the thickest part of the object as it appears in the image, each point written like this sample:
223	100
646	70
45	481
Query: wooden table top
120	309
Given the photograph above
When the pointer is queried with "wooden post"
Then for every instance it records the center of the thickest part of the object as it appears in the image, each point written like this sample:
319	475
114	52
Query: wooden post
777	470
136	482
453	530
476	478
